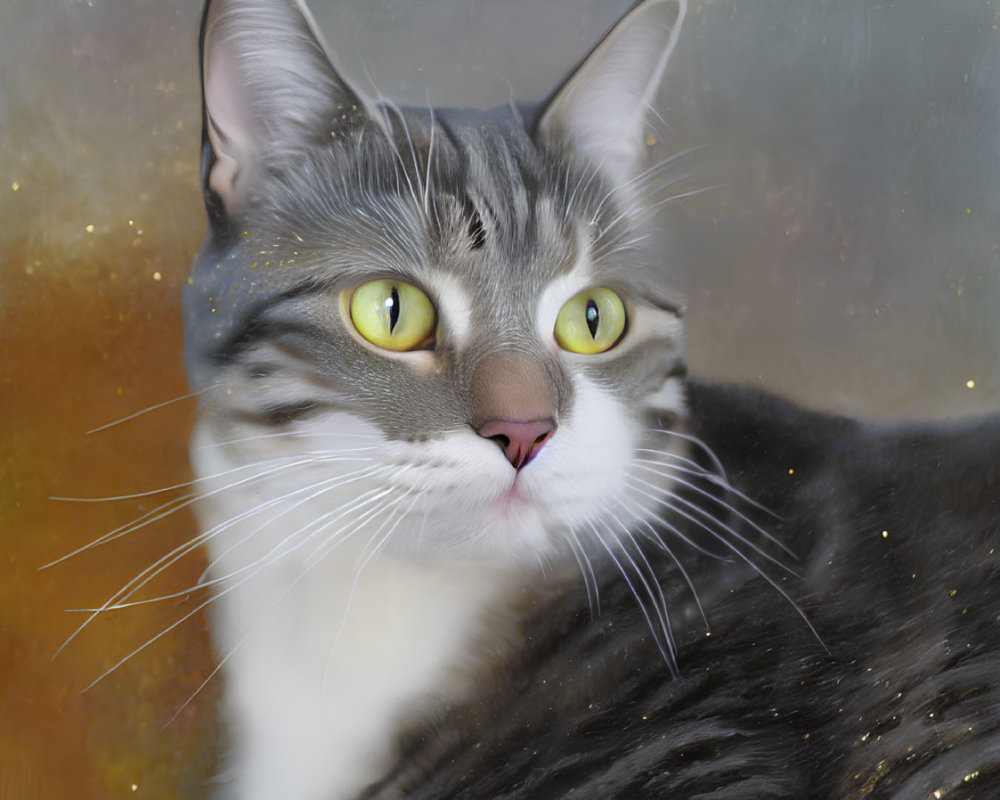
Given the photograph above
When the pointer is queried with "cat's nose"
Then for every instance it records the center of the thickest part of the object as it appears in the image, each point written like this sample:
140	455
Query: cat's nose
520	441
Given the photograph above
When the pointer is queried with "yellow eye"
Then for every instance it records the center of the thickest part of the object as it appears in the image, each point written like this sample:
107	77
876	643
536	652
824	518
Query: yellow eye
393	315
591	322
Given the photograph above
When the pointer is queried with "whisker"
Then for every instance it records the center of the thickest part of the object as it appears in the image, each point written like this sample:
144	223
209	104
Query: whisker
176	504
381	542
661	606
642	176
632	587
165	562
188	615
156	407
323	486
658	540
587	571
720	471
232	651
669	500
646	466
290	434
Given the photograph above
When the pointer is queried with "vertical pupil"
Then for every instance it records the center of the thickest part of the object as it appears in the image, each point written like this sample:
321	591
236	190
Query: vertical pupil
392	306
593	317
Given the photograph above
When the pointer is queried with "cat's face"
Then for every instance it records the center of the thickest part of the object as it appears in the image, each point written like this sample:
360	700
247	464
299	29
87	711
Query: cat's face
436	333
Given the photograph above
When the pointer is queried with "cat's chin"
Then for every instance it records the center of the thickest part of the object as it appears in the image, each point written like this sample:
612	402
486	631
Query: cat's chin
515	535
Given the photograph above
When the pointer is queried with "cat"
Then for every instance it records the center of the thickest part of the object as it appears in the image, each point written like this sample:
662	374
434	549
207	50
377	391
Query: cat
467	516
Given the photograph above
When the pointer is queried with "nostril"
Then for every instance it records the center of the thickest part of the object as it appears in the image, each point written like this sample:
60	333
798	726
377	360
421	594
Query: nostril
503	441
520	441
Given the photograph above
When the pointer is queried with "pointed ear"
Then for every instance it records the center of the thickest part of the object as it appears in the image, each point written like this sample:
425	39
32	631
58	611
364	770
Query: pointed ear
600	110
269	91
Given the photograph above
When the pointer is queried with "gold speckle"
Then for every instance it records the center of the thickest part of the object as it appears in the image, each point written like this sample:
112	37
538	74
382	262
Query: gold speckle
970	384
157	276
89	229
15	186
972	775
953	592
791	471
877	773
254	265
885	534
135	787
938	793
968	211
650	141
120	391
805	736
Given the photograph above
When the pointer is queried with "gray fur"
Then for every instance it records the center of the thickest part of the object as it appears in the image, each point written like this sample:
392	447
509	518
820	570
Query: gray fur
392	194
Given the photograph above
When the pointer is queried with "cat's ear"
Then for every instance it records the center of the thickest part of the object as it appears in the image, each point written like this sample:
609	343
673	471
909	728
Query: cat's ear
269	92
599	112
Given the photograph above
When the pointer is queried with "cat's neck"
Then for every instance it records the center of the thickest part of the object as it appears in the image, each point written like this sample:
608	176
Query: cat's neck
346	653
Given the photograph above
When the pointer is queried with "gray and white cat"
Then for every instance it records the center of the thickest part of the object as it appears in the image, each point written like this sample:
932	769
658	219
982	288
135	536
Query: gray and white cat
445	420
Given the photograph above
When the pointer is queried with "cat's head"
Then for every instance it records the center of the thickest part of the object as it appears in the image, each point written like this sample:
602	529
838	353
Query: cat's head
462	302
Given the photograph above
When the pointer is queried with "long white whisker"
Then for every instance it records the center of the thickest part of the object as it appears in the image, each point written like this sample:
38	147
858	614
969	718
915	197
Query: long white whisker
716	463
232	651
164	404
176	504
317	489
661	607
393	506
587	571
670	501
647	466
658	540
631	586
166	561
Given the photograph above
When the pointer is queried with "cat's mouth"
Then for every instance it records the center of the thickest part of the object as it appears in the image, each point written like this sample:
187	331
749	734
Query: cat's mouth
512	499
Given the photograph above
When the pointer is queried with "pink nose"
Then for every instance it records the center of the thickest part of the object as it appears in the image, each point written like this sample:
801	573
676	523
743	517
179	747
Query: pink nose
520	441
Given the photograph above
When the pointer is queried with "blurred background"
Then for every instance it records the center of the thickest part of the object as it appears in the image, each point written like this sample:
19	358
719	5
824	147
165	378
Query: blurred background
850	260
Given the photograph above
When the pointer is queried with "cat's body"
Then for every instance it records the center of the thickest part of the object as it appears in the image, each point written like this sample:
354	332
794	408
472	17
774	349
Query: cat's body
456	492
904	703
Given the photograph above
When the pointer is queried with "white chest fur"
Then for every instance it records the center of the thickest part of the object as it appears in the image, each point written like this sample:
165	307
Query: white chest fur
324	661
